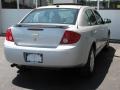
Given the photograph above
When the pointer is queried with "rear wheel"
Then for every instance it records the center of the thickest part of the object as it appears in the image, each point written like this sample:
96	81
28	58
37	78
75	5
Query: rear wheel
90	66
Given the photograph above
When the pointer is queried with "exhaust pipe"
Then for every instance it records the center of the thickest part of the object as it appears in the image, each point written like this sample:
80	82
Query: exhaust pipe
13	65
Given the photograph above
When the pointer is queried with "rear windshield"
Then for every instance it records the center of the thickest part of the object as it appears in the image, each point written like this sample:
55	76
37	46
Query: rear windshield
58	16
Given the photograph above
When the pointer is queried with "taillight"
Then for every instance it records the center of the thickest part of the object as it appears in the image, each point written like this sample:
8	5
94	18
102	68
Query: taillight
70	37
9	36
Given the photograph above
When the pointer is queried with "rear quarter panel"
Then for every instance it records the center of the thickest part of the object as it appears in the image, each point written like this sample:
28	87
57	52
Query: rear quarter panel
86	41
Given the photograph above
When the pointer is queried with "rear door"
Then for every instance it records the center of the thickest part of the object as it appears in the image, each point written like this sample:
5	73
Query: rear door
95	32
103	31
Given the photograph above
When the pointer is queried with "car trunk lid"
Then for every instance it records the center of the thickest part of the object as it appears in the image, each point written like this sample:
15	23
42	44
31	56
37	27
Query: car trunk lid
38	35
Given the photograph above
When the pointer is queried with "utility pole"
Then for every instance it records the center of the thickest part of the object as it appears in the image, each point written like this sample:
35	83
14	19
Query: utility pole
108	3
0	4
18	4
98	4
36	3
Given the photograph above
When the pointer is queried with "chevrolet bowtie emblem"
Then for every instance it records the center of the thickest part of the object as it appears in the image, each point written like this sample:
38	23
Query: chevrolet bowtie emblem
35	36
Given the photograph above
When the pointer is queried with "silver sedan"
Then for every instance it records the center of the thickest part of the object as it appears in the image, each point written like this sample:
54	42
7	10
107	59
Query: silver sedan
57	36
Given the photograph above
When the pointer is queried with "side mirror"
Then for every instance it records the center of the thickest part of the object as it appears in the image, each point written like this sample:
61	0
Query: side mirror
107	21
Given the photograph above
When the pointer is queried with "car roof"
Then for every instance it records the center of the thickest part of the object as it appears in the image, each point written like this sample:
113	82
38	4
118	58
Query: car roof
66	6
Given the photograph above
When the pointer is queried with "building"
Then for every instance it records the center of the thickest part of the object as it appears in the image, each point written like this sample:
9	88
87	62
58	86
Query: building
11	11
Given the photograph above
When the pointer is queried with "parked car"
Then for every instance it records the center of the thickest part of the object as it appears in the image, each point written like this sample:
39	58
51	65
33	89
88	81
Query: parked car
59	36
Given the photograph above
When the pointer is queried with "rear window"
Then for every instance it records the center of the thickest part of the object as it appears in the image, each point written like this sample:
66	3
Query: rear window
58	16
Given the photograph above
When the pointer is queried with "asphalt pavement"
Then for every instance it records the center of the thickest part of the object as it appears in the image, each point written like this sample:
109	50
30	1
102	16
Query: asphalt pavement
106	77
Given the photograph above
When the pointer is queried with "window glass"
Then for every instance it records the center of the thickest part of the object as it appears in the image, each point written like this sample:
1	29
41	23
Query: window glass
88	2
104	4
98	18
50	2
91	17
109	4
41	3
9	4
85	21
44	2
59	16
27	4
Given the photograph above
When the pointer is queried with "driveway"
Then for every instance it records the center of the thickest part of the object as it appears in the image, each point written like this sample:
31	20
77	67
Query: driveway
107	75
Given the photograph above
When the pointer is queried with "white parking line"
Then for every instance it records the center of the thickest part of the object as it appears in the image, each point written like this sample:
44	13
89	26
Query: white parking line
117	53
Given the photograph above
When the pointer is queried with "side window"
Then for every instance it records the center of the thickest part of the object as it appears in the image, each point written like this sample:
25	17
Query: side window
85	20
98	17
91	17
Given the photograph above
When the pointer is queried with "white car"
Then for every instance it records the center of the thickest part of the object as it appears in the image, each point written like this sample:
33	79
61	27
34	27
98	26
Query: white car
59	36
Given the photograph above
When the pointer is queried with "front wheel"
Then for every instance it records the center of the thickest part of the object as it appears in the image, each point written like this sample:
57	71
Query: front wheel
108	41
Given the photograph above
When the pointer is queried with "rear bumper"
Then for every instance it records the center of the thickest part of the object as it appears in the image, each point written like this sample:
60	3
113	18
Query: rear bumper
62	56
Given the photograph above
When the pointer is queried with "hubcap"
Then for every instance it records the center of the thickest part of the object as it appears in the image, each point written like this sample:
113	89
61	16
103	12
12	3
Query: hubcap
92	58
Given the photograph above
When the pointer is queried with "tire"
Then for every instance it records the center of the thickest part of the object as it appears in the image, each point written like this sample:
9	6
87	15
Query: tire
108	41
90	66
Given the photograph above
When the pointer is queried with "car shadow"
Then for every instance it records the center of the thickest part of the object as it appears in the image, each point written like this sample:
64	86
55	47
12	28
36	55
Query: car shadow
70	79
